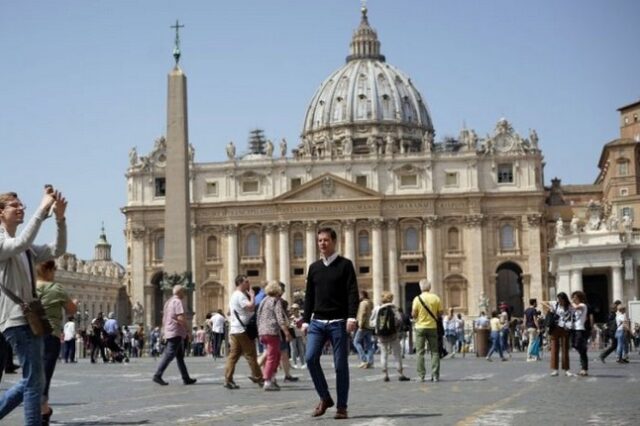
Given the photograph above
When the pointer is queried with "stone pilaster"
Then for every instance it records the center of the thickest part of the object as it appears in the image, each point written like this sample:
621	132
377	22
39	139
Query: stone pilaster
431	252
377	260
231	235
348	227
392	249
475	255
310	242
269	252
285	262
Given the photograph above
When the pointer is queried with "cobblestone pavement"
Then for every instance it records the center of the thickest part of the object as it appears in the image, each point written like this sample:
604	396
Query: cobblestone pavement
472	391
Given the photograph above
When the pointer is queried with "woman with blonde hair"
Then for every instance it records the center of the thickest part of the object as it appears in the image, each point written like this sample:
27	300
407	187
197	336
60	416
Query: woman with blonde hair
272	322
386	322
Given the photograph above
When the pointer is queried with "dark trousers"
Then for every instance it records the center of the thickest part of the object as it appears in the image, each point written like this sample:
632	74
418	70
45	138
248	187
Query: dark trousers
70	350
51	353
174	349
580	340
608	351
97	345
217	344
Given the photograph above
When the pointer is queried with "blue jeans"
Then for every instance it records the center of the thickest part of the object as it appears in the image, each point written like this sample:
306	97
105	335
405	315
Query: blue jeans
51	354
364	345
29	349
621	349
496	344
318	334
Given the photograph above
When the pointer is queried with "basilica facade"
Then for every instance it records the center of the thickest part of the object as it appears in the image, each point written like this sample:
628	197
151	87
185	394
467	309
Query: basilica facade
468	213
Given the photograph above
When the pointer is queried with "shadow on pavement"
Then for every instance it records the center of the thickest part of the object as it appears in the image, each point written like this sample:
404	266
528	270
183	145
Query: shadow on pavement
396	416
105	423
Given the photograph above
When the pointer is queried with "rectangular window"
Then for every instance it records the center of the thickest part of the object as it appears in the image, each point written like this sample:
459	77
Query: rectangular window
363	269
253	273
412	268
408	180
212	189
451	179
505	173
361	180
624	192
250	187
160	187
295	182
623	168
298	271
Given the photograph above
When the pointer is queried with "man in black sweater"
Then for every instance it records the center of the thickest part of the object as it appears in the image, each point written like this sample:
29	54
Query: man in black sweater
330	307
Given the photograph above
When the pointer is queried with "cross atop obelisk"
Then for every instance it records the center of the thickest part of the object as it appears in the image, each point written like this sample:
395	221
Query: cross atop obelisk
176	46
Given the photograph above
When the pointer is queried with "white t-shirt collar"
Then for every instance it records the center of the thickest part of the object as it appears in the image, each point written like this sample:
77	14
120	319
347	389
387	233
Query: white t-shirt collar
328	260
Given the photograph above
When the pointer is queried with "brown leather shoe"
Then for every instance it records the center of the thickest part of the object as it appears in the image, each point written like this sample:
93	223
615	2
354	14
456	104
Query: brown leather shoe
322	406
341	413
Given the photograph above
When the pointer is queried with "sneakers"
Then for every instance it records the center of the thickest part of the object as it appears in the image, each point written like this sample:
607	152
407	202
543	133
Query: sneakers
403	378
583	373
270	386
363	365
554	373
158	380
489	359
189	381
569	373
258	381
231	385
291	379
386	379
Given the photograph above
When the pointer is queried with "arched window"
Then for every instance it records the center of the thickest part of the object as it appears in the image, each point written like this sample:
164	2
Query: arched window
453	239
252	245
159	248
411	239
212	247
507	241
298	245
363	243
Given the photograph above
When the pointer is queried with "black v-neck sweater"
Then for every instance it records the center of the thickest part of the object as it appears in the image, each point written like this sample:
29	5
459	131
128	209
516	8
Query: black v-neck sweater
332	291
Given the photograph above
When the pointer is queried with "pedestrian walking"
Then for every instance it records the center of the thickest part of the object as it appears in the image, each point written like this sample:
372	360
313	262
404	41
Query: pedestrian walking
581	332
69	336
217	330
496	327
363	340
242	340
531	315
622	330
610	332
18	256
560	331
273	327
54	300
174	325
97	338
426	311
330	308
387	322
298	345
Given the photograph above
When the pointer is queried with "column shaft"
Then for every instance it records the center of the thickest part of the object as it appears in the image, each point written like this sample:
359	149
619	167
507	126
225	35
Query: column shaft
394	286
618	291
310	243
269	253
285	264
377	262
232	259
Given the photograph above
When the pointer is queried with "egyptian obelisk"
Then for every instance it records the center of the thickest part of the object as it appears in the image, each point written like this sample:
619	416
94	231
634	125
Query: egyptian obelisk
177	260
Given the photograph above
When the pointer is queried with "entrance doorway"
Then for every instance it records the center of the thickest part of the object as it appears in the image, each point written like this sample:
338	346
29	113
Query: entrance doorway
509	287
158	299
596	288
411	290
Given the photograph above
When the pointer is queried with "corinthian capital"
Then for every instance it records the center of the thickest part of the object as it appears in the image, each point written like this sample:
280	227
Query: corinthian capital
138	233
431	221
283	226
231	229
534	220
473	220
376	223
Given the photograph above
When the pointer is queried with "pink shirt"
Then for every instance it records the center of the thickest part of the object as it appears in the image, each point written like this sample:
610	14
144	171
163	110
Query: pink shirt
170	324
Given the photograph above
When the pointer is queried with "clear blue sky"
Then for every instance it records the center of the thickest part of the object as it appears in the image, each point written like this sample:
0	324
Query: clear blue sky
84	81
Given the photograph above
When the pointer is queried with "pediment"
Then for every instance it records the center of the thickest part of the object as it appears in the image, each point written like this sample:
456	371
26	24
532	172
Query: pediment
328	187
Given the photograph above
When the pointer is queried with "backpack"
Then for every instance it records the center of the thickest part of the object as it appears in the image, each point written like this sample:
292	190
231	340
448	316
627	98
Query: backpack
385	322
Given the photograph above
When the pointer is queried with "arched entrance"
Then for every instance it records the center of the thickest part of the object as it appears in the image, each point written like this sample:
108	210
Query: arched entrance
509	287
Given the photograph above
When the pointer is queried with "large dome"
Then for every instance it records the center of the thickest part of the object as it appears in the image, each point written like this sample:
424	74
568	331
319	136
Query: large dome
366	98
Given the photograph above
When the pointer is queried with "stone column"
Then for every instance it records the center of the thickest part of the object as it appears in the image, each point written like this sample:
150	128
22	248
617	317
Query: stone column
377	260
285	264
310	243
535	260
269	253
576	280
476	284
563	282
231	232
430	252
394	286
139	239
348	227
618	292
